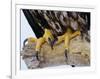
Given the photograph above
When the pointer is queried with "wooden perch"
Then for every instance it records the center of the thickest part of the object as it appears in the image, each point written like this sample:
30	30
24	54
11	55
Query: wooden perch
79	54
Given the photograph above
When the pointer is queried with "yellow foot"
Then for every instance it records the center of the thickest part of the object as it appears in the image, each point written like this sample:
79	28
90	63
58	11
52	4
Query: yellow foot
31	40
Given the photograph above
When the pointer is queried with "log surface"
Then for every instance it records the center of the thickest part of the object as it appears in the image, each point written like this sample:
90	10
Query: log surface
78	55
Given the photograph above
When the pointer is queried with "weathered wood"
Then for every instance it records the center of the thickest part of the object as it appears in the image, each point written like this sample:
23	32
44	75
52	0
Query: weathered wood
78	55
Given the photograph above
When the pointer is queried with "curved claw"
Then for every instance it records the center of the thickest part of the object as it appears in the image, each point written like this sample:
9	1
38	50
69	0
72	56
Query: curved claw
25	42
52	42
66	53
29	40
73	65
37	55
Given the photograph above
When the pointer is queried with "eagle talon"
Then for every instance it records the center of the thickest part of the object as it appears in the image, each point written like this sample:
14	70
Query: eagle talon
73	65
51	43
24	43
37	55
66	53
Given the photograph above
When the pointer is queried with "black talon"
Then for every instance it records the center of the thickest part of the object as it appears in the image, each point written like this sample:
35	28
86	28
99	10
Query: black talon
52	42
66	53
24	43
37	55
73	65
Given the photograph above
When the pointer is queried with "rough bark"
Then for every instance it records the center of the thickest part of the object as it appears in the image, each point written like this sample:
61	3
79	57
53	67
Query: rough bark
78	55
